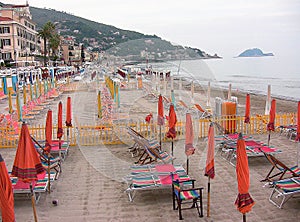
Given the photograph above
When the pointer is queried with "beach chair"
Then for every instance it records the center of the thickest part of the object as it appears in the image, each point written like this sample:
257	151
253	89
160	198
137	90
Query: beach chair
48	161
151	177
284	190
40	186
191	196
139	141
281	169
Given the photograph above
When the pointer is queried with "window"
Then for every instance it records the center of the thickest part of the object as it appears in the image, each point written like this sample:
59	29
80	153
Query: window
6	42
6	30
6	56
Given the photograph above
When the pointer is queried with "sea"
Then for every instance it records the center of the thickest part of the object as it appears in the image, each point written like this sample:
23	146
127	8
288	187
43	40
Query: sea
245	74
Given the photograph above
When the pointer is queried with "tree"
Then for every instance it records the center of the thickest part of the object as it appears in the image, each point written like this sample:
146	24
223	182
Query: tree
46	32
54	42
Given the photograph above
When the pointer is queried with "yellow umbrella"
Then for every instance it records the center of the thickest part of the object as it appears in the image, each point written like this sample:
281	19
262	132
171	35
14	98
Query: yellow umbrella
24	94
30	91
19	106
99	105
10	109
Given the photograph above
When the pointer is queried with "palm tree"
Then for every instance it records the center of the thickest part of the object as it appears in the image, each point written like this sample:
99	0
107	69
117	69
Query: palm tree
54	43
46	32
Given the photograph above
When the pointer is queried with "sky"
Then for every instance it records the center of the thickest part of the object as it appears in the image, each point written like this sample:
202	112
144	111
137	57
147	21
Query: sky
225	27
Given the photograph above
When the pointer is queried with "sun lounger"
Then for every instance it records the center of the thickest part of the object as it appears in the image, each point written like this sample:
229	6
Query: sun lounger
227	147
150	177
284	190
39	186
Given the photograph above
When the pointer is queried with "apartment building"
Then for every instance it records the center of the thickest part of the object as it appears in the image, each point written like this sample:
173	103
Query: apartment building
19	41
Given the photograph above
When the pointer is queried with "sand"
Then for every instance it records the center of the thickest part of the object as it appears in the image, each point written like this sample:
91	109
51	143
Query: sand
91	186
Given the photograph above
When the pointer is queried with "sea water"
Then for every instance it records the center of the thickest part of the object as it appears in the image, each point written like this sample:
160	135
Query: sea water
252	74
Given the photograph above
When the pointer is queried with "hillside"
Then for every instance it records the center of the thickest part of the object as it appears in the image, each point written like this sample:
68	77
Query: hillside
101	37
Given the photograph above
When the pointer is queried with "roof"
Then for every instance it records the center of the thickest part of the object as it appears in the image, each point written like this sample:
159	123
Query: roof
5	19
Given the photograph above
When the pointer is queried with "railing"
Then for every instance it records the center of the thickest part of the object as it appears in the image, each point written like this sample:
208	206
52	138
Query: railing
116	133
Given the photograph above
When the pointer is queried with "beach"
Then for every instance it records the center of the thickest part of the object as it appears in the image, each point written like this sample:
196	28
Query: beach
91	185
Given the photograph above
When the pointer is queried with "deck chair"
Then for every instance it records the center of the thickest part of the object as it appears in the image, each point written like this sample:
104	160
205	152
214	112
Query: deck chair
284	189
47	160
281	168
191	196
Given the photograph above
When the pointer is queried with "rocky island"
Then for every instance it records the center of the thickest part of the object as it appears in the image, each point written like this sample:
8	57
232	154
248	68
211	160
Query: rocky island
254	53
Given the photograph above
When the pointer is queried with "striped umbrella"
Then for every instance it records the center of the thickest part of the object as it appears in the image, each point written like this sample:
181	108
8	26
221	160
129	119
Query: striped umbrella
189	138
160	115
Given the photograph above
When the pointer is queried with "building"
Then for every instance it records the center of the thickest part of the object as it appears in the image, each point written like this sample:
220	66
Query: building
19	41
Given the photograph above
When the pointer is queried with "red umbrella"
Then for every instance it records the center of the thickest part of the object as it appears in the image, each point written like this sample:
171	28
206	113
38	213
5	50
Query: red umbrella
298	132
271	124
160	115
6	194
60	131
244	202
68	115
247	109
189	138
172	123
210	162
298	123
48	131
27	164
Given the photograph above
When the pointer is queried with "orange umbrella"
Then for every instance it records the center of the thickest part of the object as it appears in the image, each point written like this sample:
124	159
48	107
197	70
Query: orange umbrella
27	164
244	202
60	131
271	124
6	194
48	131
210	162
247	109
298	123
160	116
298	132
68	115
172	123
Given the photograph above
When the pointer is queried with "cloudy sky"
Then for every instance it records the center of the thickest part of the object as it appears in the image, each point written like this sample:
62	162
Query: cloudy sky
226	27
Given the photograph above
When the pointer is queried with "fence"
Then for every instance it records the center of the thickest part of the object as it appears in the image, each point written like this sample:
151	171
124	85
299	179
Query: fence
116	133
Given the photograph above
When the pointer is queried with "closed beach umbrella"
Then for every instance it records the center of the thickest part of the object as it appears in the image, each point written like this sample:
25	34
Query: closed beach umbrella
68	115
27	164
271	124
160	115
173	98
24	94
244	202
172	123
19	106
48	131
6	194
229	92
99	105
210	162
10	107
189	138
60	131
208	95
247	109
298	133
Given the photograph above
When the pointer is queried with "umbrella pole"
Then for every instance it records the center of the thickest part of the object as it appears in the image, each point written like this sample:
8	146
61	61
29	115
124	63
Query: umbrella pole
68	133
298	153
187	165
269	137
59	146
49	185
160	136
33	203
172	149
244	217
208	197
